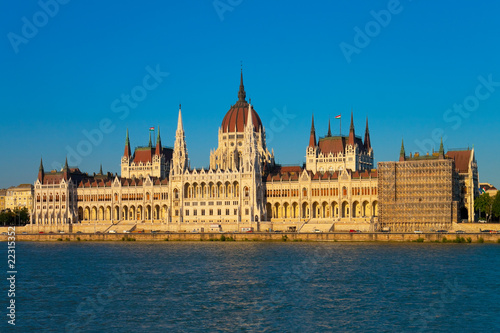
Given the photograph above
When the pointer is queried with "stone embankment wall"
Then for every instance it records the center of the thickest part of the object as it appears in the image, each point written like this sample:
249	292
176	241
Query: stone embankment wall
315	237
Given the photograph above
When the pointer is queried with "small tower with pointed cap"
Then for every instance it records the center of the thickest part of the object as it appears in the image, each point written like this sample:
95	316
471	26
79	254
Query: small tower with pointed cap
367	142
329	129
312	135
402	153
66	170
352	134
158	148
41	172
312	149
441	149
179	156
127	151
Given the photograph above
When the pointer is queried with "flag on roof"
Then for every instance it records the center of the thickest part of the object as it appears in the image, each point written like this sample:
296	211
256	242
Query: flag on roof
151	128
337	117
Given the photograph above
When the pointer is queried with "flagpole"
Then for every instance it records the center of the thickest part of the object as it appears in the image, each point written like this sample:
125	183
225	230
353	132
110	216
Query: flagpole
341	126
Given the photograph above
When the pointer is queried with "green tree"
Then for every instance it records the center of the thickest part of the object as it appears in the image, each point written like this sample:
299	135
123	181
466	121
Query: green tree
484	204
7	217
496	205
22	216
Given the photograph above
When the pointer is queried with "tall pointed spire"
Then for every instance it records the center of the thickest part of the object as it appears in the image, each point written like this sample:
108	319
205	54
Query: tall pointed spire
329	129
312	136
100	169
441	149
179	120
158	149
352	134
65	169
249	116
241	93
179	156
402	151
367	142
150	144
41	172
127	151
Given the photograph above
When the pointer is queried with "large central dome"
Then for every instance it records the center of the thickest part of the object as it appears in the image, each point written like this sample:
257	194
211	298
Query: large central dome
236	118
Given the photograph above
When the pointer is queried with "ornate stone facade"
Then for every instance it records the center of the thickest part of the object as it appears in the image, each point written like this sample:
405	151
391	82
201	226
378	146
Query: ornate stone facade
336	188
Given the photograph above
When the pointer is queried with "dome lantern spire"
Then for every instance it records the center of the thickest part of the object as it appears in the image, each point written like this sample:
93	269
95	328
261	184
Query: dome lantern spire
241	93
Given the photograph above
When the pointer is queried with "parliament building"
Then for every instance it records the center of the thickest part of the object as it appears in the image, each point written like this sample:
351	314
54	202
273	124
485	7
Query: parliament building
336	189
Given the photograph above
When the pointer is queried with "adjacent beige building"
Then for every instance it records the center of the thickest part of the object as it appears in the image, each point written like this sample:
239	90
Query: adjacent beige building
19	197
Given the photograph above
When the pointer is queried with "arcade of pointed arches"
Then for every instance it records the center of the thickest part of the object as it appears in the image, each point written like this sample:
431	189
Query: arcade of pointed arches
322	209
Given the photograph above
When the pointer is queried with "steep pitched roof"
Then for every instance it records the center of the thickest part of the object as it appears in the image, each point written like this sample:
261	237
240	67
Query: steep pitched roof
461	158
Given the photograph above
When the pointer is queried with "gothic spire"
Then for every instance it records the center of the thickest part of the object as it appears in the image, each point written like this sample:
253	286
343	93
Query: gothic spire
127	151
158	143
249	116
441	148
150	144
100	169
312	136
179	121
329	129
352	134
368	144
41	172
241	93
402	151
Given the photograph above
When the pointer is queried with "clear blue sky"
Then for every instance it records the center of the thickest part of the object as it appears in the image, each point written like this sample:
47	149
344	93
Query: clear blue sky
406	75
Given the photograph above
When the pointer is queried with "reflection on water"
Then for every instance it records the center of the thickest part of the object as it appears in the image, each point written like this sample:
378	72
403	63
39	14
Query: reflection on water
255	286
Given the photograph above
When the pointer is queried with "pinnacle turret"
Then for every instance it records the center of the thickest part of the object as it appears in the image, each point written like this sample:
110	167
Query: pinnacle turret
127	151
402	151
367	142
41	172
352	134
158	148
312	136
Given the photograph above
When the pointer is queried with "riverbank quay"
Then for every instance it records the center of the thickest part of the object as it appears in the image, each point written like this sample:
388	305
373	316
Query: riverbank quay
266	236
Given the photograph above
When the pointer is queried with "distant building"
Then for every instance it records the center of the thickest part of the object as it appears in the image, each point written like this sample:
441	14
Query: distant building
488	188
3	193
427	192
18	197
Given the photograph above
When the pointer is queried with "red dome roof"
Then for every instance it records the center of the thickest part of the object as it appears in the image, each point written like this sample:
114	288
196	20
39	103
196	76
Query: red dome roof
235	119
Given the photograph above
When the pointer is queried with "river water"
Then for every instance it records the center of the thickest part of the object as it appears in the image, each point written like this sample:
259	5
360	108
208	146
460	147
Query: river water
255	287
